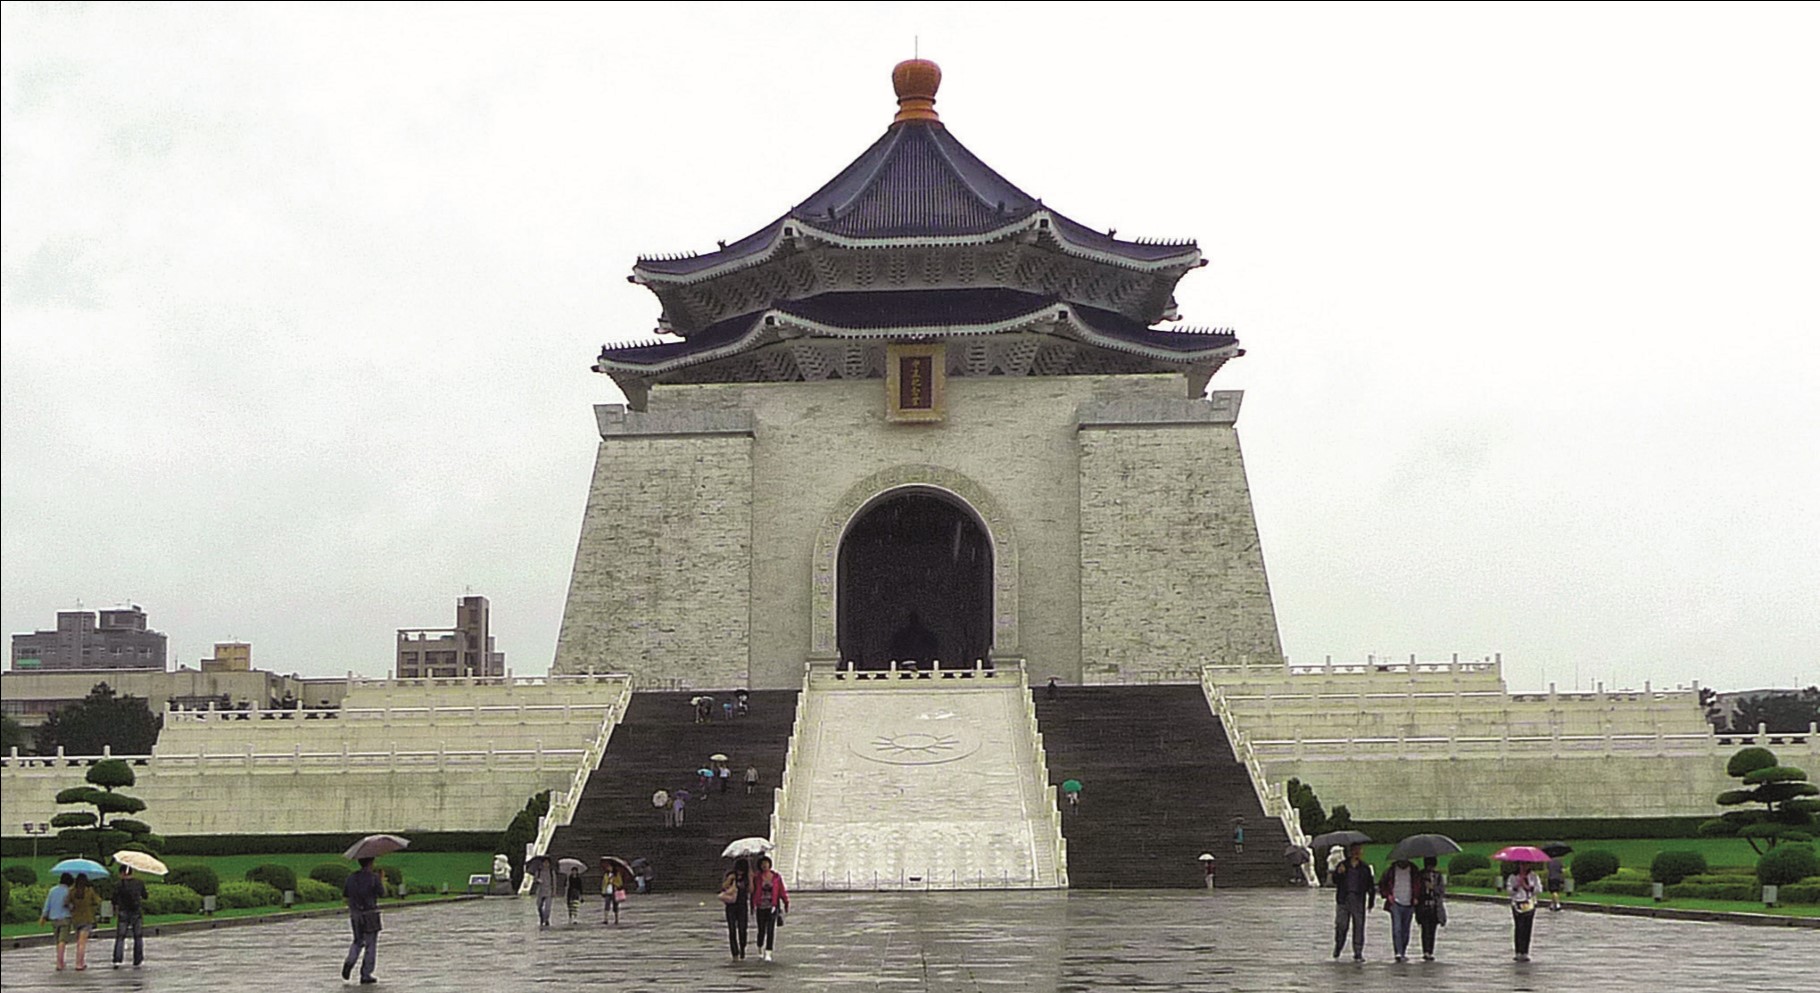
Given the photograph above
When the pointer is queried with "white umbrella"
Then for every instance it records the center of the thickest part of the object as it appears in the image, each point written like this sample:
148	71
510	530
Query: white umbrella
1205	857
660	798
718	757
747	846
375	845
571	867
140	862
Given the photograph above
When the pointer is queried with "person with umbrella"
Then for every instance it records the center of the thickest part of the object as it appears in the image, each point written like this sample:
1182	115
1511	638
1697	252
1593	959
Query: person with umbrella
362	891
84	905
571	870
1210	868
615	876
542	870
1401	890
1557	872
1354	892
735	894
1071	788
129	904
1429	888
56	913
1525	888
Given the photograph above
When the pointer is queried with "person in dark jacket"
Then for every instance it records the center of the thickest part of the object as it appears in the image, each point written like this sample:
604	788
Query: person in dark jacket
363	890
1354	892
129	915
1431	905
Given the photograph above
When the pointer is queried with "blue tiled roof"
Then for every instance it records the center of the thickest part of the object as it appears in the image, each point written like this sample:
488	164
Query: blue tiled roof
912	309
916	180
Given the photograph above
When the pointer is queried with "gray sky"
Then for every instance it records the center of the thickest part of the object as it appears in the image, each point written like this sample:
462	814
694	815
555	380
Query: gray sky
299	301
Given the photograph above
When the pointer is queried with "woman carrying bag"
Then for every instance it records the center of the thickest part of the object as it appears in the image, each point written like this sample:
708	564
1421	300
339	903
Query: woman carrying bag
771	900
735	891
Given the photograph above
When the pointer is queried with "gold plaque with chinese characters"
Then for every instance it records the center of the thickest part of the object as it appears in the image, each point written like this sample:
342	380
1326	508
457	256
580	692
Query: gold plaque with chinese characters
915	376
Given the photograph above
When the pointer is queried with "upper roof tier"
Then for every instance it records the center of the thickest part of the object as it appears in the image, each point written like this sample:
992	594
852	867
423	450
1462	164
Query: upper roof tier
917	189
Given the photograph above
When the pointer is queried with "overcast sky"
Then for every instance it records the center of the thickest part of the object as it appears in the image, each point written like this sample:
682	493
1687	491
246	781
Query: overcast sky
299	301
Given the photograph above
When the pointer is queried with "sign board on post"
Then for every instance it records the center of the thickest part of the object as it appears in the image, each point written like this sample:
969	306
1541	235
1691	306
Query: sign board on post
915	378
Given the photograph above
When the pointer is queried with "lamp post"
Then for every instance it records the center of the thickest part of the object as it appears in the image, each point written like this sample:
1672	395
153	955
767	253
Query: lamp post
34	830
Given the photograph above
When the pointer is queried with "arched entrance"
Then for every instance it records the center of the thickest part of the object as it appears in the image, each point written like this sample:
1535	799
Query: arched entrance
915	581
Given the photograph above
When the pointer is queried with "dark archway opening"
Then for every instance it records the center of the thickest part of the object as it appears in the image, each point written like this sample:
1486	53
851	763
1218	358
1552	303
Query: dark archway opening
915	583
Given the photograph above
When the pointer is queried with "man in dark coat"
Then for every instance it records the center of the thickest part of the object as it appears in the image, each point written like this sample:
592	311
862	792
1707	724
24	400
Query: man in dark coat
363	890
1355	891
129	911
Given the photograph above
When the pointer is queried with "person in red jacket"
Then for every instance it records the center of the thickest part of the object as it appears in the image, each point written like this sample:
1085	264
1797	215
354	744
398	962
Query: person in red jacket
1401	890
771	900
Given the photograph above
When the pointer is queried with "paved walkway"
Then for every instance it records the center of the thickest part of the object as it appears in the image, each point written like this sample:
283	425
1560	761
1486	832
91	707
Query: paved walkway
1145	941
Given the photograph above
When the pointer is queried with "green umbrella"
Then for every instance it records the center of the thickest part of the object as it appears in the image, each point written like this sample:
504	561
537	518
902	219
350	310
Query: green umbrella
1071	786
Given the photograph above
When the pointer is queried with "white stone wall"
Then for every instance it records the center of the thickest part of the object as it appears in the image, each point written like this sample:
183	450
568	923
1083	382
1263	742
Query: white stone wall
1171	569
655	590
664	565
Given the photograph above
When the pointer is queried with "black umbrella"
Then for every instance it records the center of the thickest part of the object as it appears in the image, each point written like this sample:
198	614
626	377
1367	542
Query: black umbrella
1344	839
1556	849
1422	846
1296	854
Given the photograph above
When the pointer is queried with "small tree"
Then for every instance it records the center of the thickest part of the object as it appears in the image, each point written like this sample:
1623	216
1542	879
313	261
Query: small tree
1782	712
1786	795
100	720
83	832
1309	812
14	735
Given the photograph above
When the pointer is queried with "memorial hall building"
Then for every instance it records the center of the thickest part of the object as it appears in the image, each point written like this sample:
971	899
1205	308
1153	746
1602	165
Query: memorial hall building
923	415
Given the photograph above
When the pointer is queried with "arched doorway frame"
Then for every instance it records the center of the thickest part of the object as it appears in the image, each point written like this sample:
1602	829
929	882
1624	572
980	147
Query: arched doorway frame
970	496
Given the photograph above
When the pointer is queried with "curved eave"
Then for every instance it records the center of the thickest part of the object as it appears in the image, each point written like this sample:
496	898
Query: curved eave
780	325
1066	235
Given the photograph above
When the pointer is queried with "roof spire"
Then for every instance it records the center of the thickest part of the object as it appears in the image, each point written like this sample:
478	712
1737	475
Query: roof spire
916	81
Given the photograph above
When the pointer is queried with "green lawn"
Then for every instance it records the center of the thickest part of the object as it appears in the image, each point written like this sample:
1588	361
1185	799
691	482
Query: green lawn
1633	853
427	870
1732	906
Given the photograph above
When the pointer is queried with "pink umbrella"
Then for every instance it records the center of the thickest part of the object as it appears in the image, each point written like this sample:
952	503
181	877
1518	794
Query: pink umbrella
1521	853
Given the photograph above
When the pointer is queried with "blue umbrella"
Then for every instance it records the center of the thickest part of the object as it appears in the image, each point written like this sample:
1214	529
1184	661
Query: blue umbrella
80	867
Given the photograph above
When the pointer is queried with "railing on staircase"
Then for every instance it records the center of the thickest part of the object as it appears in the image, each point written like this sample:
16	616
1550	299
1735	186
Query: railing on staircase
780	797
1273	798
562	804
1054	844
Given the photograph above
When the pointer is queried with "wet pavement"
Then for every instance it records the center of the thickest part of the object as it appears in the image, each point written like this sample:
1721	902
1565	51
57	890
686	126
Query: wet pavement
1264	940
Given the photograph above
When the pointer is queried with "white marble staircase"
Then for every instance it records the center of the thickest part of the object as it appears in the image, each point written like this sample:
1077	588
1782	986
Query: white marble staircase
929	782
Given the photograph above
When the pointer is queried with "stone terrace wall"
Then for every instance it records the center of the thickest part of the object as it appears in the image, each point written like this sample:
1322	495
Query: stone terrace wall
436	758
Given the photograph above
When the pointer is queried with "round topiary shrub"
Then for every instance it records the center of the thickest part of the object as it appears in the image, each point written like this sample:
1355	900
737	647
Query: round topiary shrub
1466	862
278	877
200	879
394	876
248	894
333	873
1673	866
1592	866
317	891
1786	864
20	875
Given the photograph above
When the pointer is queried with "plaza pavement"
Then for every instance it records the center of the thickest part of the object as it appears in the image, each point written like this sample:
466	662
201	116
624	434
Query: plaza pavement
1264	940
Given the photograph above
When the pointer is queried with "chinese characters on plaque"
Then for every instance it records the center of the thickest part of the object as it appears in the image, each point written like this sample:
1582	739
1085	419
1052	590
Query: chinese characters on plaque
914	379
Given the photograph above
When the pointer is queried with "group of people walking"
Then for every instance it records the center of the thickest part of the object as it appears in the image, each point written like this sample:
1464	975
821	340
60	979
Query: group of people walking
73	906
763	894
1416	896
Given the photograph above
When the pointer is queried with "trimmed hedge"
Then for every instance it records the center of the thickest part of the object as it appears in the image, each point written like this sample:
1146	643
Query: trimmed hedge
245	893
292	844
200	879
1487	878
394	876
1593	865
1785	864
317	891
20	875
1742	889
333	873
1672	866
278	877
1466	862
164	898
1587	828
1805	891
1621	887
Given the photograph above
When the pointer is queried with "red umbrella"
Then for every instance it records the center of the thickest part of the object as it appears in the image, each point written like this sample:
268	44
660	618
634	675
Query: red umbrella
1521	853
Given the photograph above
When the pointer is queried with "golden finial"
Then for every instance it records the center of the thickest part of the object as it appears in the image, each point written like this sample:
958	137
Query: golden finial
916	81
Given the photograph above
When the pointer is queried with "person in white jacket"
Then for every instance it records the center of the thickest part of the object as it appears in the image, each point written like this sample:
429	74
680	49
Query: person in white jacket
1525	891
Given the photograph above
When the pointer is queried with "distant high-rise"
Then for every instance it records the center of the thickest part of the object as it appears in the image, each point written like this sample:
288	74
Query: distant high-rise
447	653
117	639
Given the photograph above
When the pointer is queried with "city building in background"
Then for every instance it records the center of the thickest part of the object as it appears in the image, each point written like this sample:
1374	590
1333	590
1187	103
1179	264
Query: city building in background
83	639
465	650
27	696
230	656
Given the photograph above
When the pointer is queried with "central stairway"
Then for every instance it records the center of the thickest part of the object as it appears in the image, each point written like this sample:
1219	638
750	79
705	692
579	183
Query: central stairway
931	782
